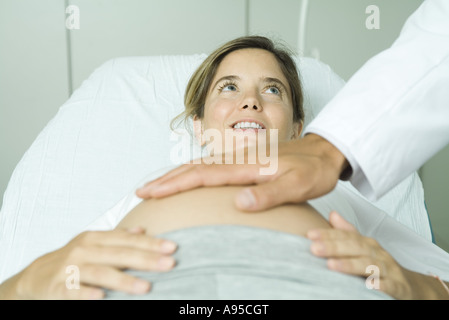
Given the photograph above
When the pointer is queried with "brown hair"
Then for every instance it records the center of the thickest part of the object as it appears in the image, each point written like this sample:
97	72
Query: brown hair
199	83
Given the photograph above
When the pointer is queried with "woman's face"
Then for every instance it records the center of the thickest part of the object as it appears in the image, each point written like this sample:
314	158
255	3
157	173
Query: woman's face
249	92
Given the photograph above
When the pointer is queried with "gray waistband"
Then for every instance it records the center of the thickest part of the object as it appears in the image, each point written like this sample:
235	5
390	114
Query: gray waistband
241	262
236	242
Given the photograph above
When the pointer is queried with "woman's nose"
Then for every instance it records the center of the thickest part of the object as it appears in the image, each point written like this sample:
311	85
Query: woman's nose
254	107
251	103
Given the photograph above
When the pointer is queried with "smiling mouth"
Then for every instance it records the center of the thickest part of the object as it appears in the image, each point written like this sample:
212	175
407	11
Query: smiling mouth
245	125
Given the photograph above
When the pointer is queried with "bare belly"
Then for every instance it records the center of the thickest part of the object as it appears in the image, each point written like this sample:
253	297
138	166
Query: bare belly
214	206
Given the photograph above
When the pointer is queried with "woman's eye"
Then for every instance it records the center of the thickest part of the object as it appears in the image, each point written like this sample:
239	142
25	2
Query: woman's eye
229	87
274	90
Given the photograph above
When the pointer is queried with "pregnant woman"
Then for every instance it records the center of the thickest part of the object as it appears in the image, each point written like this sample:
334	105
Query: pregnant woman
246	93
196	244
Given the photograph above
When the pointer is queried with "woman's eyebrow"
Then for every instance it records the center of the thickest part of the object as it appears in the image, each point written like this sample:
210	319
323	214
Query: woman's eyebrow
229	78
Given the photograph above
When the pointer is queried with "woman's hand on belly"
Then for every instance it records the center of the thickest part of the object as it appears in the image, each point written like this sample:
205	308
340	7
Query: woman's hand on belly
97	260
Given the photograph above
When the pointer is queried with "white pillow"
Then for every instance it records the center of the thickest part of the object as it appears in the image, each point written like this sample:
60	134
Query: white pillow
113	131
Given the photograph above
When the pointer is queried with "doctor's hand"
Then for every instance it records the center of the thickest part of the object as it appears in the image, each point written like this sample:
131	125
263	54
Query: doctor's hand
350	252
91	261
307	168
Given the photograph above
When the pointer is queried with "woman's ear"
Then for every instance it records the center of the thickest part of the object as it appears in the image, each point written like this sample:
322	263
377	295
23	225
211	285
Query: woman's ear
198	130
297	129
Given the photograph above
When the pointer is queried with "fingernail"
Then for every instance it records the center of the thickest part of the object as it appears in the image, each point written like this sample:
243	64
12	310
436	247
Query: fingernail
135	230
166	263
317	248
313	234
141	189
147	187
245	199
157	190
140	287
333	264
168	246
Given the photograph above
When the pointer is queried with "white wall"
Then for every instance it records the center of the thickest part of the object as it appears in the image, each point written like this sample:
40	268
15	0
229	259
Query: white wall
33	75
157	27
336	29
42	62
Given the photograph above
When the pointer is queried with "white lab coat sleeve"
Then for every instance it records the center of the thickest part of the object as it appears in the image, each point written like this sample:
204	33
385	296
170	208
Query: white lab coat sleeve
393	114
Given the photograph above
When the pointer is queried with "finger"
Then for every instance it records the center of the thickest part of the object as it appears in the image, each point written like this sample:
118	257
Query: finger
338	222
359	266
81	292
204	176
341	229
113	279
268	195
333	235
172	184
143	191
134	238
122	258
344	248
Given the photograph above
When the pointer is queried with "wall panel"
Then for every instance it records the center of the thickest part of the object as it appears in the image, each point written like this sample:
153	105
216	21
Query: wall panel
338	35
33	75
112	28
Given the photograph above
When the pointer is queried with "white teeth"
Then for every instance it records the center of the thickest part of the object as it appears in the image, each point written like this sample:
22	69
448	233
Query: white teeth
247	125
